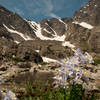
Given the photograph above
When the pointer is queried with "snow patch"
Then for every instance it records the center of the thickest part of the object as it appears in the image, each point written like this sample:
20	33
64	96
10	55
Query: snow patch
84	24
33	25
12	27
85	12
52	30
17	42
95	5
38	32
48	60
37	51
25	37
67	43
63	23
46	30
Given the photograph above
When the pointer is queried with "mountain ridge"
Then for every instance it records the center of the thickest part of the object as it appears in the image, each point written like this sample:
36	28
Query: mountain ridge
75	31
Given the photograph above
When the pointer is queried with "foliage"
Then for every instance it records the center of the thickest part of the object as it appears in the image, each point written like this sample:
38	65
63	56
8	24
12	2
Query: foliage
16	59
41	91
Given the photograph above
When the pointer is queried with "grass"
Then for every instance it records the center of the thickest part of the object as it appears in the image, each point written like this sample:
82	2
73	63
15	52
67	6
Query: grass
96	61
15	59
43	63
46	91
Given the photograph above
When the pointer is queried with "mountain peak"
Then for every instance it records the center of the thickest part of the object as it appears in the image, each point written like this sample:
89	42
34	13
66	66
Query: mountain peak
89	13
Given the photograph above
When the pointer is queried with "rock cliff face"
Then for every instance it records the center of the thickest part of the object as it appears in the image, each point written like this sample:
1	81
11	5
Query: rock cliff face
84	30
89	13
13	23
94	40
77	30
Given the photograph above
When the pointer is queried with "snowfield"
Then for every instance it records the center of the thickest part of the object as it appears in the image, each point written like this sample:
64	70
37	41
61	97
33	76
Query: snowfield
84	24
38	32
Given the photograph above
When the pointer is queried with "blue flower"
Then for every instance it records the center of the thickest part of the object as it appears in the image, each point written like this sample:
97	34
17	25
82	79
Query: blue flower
70	70
89	57
74	60
7	98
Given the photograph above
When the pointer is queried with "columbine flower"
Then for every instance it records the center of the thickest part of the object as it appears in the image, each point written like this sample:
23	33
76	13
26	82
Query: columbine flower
7	98
70	73
58	78
78	52
64	62
78	76
74	60
8	95
11	95
3	93
85	73
89	57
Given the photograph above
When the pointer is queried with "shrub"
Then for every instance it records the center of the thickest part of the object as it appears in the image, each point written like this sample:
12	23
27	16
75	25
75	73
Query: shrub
46	91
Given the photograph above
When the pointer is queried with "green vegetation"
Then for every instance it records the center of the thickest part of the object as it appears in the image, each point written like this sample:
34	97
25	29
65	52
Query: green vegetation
96	61
15	59
46	91
43	63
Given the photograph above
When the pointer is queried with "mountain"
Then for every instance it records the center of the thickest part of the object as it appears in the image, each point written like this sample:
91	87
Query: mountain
81	31
24	42
43	36
89	13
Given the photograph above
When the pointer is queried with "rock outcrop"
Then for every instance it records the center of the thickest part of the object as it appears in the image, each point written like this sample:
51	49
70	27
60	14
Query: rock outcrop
89	13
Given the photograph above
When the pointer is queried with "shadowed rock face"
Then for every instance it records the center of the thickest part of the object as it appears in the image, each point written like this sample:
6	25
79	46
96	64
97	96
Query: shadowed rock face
15	22
50	49
78	35
7	47
89	13
94	40
53	25
26	49
9	50
28	54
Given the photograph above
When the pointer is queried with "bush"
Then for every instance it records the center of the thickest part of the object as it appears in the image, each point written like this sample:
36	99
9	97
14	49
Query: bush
46	91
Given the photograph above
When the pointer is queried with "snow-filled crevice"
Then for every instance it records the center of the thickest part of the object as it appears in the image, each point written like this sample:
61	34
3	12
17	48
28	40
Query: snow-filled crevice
25	37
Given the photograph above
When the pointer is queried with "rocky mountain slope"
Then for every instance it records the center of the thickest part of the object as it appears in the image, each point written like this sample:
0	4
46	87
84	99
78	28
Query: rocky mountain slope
90	14
79	31
23	41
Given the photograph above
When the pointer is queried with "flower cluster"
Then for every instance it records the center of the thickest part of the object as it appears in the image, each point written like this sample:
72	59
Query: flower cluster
70	71
7	95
